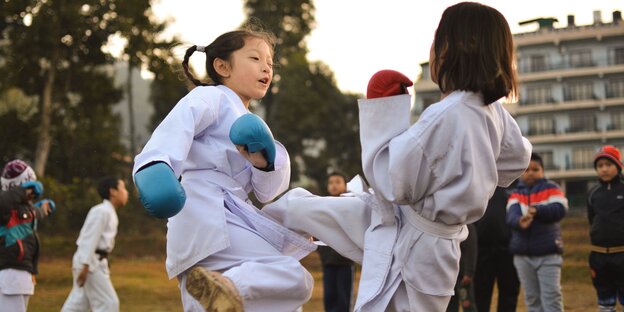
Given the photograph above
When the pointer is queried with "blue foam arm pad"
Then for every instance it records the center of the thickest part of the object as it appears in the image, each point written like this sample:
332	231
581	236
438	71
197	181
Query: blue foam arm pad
252	132
35	186
50	203
160	192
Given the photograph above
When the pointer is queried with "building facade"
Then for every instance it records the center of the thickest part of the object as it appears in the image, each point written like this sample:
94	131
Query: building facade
571	96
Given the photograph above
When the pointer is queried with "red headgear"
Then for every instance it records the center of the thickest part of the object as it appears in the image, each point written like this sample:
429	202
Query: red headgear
612	153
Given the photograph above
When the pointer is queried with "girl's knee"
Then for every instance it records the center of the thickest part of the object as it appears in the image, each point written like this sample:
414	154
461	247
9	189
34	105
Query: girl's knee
302	280
304	292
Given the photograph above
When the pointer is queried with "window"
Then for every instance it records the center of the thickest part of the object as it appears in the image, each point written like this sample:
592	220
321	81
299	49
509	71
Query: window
581	58
615	88
617	120
618	55
538	63
583	157
580	90
547	158
539	125
539	95
582	122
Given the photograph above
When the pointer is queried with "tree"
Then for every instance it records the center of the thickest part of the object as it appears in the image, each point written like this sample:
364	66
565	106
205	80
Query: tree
50	46
169	84
305	109
142	33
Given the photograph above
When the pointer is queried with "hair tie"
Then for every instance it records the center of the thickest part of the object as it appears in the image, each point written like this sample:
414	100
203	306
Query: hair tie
200	48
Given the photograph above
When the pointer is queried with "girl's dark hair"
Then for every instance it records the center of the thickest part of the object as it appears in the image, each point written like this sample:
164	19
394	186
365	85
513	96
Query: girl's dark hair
105	184
538	159
222	48
338	174
474	51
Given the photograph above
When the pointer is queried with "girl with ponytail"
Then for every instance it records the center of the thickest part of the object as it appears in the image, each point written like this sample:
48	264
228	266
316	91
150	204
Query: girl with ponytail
197	170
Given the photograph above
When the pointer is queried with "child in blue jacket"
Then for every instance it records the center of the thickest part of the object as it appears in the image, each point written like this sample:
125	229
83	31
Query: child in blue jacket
534	210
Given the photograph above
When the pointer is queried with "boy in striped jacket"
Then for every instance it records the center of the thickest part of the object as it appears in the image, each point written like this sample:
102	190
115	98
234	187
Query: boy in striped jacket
534	210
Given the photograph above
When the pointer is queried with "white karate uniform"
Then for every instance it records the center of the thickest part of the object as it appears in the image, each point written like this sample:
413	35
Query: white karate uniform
218	228
429	180
16	287
98	233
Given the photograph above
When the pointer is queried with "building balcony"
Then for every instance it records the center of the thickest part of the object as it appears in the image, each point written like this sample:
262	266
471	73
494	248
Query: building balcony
516	109
565	174
560	72
558	35
576	136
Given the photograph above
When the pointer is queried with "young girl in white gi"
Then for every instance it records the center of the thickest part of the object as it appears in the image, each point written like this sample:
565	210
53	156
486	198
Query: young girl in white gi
217	228
430	178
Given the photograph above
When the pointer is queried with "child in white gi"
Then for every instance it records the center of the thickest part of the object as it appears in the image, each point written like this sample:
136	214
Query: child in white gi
92	289
19	245
430	178
225	253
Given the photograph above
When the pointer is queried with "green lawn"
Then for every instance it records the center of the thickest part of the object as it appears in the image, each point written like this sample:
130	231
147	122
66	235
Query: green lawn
142	284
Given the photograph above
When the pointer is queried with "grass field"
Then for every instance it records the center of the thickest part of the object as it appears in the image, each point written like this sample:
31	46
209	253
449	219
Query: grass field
142	284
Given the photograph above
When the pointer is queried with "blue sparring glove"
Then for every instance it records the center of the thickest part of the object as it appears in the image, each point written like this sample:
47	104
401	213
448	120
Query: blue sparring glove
35	186
50	202
252	132
160	191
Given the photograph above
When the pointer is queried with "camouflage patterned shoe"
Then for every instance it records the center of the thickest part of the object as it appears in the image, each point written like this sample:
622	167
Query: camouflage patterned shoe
215	292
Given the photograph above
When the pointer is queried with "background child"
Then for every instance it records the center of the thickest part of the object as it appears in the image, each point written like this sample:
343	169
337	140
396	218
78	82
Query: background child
92	288
337	270
430	178
19	244
534	210
605	211
218	230
495	262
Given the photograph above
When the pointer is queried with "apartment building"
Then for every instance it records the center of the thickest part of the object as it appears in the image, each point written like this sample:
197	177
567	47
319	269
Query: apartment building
571	96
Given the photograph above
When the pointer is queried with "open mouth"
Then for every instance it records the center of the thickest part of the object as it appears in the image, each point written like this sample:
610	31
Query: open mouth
264	80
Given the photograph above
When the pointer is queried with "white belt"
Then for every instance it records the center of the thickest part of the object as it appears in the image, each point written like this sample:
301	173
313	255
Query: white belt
283	239
431	227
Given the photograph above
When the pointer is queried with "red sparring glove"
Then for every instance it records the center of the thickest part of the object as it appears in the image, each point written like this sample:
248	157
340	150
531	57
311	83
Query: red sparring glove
387	83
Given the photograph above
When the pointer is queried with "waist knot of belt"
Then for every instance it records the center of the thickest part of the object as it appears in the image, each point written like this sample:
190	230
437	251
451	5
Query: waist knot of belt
103	254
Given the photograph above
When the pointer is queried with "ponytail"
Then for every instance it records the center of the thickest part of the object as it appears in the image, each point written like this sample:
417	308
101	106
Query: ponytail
187	71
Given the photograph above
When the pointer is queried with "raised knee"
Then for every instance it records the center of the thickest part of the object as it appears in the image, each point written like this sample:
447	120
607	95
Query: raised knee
305	287
301	281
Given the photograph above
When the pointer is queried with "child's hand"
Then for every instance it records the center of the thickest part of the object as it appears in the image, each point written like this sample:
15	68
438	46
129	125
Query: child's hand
532	211
82	277
35	187
525	221
254	136
256	159
47	205
466	280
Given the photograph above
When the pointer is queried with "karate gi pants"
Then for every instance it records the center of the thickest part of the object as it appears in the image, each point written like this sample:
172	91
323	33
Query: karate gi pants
341	223
97	294
14	303
267	280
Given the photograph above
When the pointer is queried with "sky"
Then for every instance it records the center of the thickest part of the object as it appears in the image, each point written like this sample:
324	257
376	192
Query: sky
357	38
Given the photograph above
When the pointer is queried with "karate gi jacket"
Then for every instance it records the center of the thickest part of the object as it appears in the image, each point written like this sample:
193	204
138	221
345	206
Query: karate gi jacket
430	179
97	233
194	141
